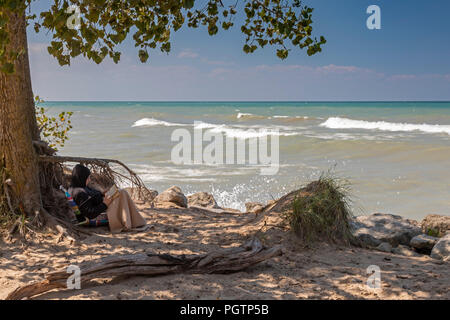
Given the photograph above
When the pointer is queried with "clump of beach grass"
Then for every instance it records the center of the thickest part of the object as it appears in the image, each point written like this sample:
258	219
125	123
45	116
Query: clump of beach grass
321	211
10	217
6	215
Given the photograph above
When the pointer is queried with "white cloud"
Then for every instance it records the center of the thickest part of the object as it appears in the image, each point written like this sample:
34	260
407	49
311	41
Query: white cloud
217	62
403	77
188	53
319	71
167	79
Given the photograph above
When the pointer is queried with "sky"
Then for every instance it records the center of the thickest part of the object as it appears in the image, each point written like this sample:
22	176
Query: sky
406	60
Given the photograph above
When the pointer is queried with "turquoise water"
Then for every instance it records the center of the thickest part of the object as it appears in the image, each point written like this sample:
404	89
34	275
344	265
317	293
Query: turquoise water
396	155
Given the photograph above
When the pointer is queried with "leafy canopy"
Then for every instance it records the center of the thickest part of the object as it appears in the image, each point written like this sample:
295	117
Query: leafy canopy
103	25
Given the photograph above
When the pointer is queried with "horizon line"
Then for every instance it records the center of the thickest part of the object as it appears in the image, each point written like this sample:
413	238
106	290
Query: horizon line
292	101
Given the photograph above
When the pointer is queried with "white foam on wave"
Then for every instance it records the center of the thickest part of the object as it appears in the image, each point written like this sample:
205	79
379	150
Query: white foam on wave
151	174
345	123
150	122
230	198
243	115
244	133
289	117
206	125
232	131
185	173
236	195
237	131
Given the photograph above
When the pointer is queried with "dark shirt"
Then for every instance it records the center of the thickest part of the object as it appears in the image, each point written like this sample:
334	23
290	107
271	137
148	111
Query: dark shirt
89	201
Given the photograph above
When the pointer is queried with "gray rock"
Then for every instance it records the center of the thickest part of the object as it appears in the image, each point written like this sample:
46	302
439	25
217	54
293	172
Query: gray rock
385	247
423	243
372	230
202	199
441	251
254	207
172	197
148	194
435	225
404	251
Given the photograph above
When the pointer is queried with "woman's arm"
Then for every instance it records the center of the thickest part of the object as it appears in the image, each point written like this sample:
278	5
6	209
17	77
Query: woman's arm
88	207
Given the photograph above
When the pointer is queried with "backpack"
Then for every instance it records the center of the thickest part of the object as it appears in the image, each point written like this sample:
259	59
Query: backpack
101	220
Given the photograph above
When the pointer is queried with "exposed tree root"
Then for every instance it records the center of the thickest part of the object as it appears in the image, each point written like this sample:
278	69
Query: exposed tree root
54	211
61	227
221	261
105	174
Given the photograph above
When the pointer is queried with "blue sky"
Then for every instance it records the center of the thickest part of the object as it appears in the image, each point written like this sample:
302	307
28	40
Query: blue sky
408	59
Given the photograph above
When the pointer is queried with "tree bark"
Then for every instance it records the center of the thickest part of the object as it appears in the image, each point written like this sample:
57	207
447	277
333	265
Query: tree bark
18	127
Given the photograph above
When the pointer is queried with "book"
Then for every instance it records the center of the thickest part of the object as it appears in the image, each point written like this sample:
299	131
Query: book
112	193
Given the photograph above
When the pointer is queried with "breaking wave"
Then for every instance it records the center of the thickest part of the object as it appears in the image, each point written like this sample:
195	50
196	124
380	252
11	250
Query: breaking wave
150	122
344	123
244	133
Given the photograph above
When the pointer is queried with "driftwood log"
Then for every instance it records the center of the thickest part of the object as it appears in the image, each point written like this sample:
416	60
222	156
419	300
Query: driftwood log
222	261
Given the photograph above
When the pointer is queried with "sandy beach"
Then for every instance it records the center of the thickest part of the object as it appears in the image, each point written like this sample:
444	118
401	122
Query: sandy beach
209	150
324	271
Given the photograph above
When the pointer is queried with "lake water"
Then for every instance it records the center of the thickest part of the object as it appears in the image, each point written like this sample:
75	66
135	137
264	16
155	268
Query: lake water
395	155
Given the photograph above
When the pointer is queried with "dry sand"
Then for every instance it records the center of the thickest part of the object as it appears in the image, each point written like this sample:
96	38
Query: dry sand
324	272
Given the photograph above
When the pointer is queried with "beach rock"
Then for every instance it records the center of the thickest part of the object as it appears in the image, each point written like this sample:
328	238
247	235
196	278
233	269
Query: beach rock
435	225
254	207
202	199
372	230
405	251
423	243
148	194
441	251
385	247
170	198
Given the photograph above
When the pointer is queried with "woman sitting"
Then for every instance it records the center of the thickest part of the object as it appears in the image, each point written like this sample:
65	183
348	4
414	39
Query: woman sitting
121	211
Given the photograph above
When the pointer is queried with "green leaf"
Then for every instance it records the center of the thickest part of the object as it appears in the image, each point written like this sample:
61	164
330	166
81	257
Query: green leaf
143	55
188	4
105	24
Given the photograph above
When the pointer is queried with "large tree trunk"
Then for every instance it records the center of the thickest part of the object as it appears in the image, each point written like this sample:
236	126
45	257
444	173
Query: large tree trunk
18	127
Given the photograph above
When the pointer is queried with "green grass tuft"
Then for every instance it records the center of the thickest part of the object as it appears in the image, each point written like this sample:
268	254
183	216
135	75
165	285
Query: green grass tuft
433	232
9	214
321	211
6	216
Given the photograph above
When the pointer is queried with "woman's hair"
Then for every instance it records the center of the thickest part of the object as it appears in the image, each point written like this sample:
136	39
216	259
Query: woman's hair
79	176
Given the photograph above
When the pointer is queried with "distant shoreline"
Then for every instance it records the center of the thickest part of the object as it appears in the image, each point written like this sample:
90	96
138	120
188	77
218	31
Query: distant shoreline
256	101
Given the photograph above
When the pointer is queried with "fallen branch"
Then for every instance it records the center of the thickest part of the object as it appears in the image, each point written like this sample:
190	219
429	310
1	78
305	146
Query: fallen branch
223	261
